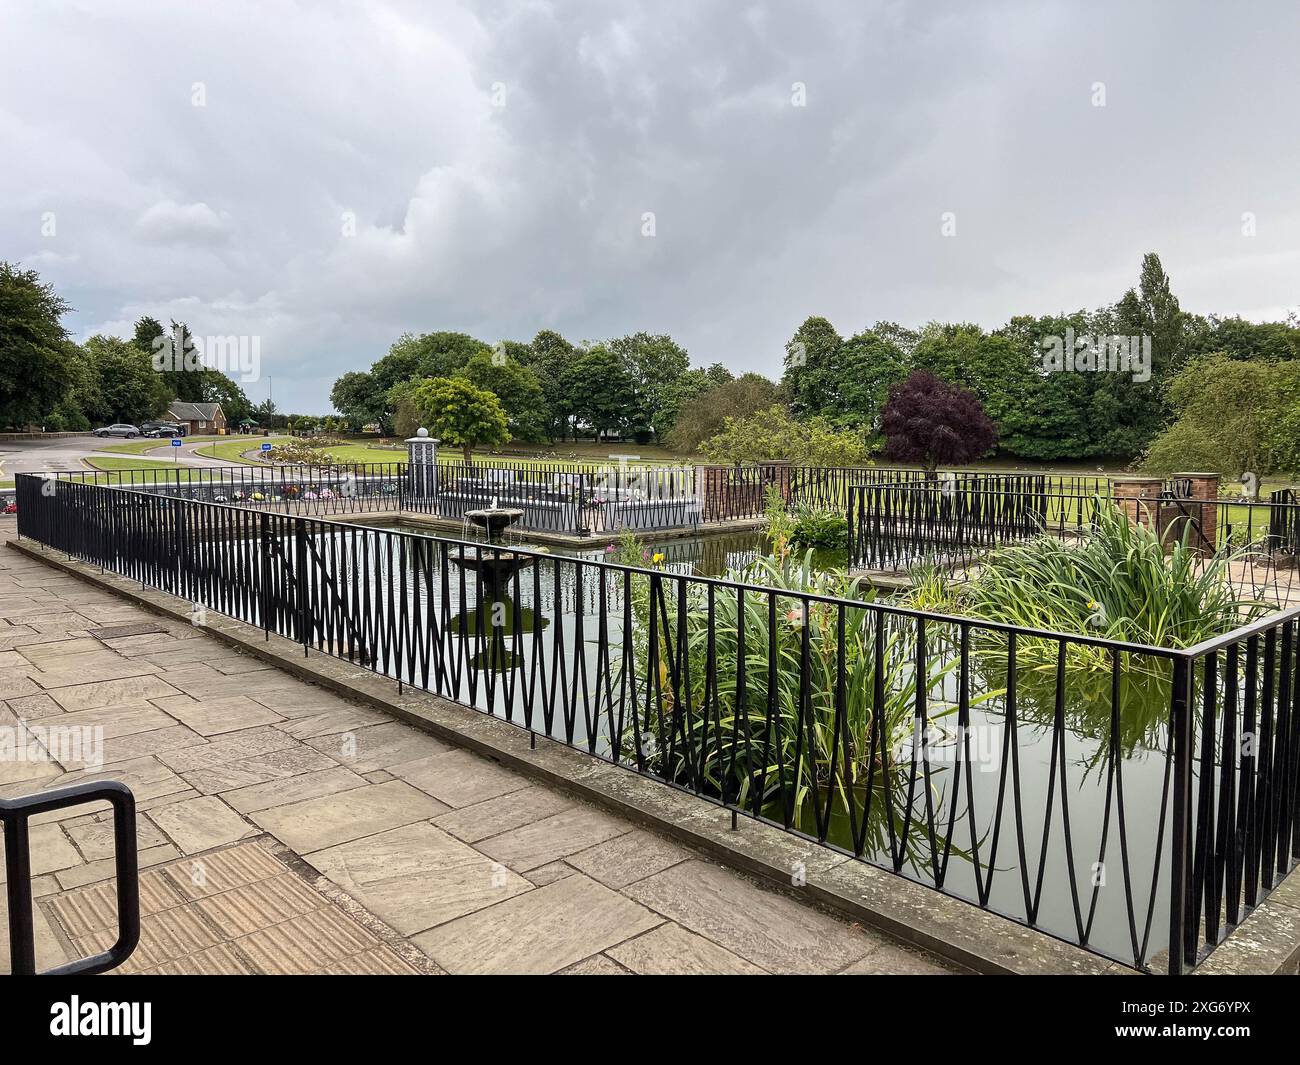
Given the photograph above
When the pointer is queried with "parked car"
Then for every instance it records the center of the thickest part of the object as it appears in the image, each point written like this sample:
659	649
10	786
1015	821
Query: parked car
161	429
118	429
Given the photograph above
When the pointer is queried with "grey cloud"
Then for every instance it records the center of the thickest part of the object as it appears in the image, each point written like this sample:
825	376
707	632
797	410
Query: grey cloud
501	221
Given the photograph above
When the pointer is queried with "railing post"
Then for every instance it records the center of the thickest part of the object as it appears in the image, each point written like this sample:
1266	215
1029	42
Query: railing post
1182	940
300	581
19	871
264	558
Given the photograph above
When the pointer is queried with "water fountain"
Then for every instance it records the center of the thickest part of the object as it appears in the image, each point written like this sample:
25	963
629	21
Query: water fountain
496	614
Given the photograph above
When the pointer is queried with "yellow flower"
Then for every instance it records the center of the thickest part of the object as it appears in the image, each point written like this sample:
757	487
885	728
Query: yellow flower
658	557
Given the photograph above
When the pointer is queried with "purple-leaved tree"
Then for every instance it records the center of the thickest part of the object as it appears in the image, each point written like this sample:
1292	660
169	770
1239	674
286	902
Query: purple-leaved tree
929	421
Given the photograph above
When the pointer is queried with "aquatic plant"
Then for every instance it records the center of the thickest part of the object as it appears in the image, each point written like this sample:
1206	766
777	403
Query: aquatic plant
791	707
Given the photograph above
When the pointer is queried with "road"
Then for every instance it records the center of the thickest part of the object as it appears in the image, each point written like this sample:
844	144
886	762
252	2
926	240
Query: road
66	453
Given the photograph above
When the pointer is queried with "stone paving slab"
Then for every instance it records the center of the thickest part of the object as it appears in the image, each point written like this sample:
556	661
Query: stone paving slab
283	828
201	824
291	789
554	837
541	931
377	746
315	824
627	859
417	877
459	778
671	950
772	931
500	815
212	717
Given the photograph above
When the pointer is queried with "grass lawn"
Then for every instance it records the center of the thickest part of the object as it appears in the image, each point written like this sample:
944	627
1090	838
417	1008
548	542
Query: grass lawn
231	448
139	447
134	473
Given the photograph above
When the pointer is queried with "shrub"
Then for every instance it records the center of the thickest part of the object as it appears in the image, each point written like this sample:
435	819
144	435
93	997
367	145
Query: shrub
775	434
820	529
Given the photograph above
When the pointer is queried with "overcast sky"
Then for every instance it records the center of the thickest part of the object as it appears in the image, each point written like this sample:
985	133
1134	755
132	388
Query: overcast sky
203	162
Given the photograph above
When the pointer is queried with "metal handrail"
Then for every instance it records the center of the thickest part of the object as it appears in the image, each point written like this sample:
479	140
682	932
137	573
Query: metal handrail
15	814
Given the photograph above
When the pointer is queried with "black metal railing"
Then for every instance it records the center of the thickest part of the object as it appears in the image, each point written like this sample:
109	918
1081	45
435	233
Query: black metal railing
1089	788
16	815
952	523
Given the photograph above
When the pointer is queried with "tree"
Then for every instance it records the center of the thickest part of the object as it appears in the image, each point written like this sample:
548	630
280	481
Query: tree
357	396
994	367
35	351
1054	418
775	434
929	421
1234	416
704	416
460	414
427	355
220	388
810	365
845	381
656	364
174	351
600	391
550	357
518	390
127	387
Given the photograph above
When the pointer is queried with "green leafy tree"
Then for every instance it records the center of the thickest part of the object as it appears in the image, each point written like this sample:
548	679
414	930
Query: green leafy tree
174	356
844	381
704	416
357	396
35	352
220	388
550	356
518	390
127	387
427	355
656	364
993	367
811	365
461	414
601	393
1232	416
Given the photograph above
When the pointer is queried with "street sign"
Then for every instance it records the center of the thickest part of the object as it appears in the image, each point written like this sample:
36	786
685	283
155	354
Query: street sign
266	447
175	442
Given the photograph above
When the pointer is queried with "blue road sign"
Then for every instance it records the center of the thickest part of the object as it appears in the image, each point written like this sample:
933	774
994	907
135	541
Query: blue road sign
176	442
266	447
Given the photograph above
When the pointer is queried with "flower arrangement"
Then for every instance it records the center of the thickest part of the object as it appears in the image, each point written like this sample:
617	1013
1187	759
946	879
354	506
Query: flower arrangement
11	508
290	491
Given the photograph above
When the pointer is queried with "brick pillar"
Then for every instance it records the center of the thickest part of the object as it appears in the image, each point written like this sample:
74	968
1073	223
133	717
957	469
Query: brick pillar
1203	505
1138	497
711	483
777	472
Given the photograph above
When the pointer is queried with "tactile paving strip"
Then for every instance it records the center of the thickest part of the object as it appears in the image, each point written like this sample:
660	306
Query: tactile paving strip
238	910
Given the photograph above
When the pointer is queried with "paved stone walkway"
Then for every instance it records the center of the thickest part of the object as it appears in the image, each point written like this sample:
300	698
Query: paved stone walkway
283	829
